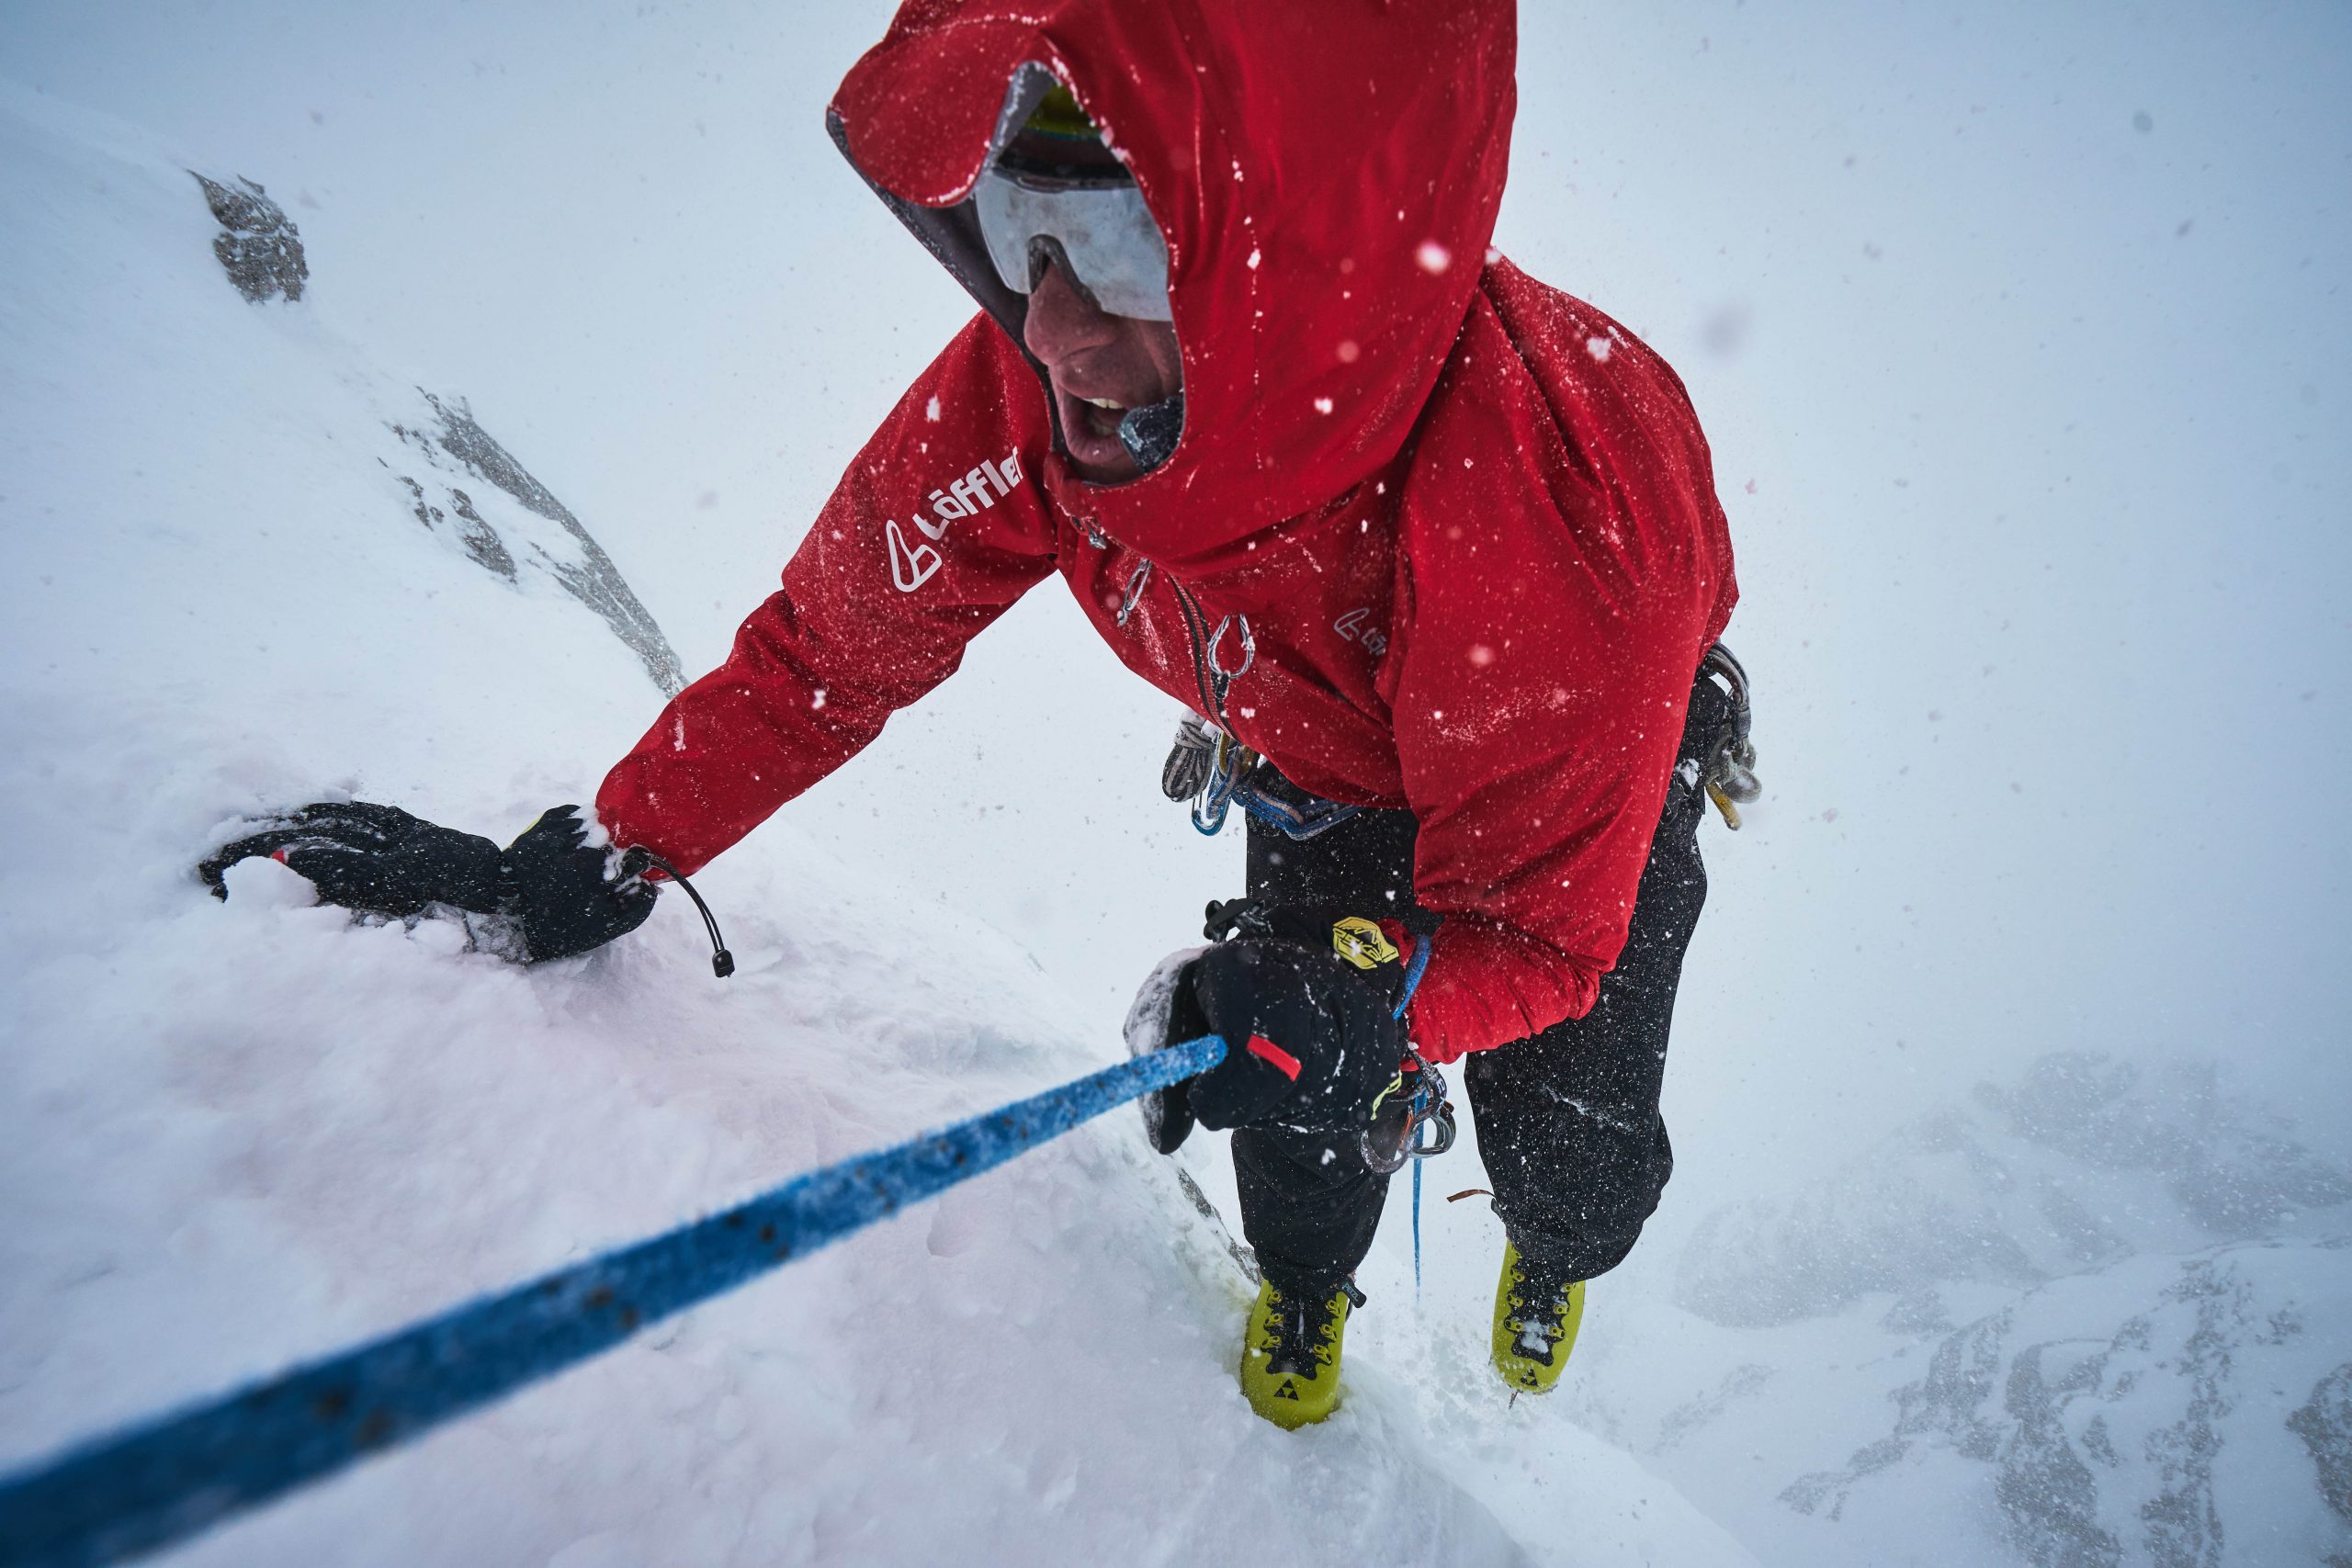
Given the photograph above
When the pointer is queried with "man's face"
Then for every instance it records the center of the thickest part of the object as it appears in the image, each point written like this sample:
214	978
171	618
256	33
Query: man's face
1102	366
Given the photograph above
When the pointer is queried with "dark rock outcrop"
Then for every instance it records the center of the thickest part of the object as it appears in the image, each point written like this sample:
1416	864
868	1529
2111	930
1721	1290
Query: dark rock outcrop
508	523
258	245
2325	1425
2099	1408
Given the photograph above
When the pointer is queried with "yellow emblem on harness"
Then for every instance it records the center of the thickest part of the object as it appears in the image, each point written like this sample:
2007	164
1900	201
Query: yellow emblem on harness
1361	942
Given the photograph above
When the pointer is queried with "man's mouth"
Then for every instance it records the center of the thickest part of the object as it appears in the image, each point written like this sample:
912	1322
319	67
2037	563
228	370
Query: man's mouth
1102	415
1091	426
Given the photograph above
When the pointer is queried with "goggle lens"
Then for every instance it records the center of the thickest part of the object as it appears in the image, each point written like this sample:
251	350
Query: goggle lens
1105	231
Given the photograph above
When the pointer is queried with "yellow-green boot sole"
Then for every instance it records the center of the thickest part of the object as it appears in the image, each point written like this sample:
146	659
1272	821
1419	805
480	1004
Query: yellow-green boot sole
1532	1337
1300	1388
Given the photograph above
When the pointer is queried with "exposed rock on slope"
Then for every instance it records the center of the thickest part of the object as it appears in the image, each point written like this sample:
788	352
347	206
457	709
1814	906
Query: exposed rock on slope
258	245
2131	1295
459	448
2131	1414
261	250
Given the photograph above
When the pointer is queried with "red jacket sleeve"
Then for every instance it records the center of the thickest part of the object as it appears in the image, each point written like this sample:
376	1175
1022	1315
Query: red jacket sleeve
939	524
1564	568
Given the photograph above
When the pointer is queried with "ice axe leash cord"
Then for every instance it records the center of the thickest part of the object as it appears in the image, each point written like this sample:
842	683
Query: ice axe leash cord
172	1476
722	963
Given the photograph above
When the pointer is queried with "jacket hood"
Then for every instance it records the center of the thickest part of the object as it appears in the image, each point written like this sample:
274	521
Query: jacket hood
1326	176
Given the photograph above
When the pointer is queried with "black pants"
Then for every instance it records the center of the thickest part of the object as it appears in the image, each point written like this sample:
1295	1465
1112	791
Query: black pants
1567	1119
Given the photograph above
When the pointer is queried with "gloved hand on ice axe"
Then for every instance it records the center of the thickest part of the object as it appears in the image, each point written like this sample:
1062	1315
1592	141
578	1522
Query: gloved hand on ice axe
1310	1039
565	893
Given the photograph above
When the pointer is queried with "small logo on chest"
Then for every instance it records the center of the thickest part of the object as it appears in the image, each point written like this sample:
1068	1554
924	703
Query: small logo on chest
1357	628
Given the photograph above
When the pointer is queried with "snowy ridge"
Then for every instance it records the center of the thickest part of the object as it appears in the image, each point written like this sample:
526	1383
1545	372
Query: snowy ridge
2099	1316
2153	1438
234	1135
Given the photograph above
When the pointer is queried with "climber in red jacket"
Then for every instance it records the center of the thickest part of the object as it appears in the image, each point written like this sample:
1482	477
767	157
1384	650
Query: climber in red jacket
1430	551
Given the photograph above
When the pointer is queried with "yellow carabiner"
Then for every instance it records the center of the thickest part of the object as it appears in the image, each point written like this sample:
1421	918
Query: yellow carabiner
1723	804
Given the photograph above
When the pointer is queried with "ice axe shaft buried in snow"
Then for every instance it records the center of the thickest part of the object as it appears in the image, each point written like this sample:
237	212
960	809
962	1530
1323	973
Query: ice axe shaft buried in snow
168	1478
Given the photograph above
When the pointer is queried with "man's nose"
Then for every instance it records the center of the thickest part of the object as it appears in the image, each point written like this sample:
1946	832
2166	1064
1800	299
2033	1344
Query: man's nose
1061	320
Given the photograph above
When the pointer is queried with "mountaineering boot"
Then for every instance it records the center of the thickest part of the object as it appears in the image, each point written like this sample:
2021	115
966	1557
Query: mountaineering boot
1536	1318
1290	1356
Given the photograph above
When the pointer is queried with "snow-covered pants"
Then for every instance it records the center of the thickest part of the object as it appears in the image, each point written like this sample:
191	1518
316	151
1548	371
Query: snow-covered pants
1568	1121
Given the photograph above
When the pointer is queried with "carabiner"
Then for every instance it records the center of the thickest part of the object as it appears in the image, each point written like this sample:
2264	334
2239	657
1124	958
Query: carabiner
1249	650
1441	1118
1135	583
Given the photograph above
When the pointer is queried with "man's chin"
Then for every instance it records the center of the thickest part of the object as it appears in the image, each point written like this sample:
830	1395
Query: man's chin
1113	473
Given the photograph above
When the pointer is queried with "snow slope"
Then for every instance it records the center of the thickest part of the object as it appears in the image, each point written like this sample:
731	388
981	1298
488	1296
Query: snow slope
238	1134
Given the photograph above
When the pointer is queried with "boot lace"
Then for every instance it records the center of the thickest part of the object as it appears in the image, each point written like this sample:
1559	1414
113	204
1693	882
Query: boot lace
1300	1328
1540	1315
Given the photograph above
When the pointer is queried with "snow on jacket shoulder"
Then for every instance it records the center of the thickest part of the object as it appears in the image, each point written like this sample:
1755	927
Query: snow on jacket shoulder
1468	521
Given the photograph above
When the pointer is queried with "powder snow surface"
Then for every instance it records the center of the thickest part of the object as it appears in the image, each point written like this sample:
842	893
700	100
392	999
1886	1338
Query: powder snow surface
2011	1225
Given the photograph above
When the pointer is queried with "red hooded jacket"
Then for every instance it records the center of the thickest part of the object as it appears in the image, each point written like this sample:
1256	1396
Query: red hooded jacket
1470	522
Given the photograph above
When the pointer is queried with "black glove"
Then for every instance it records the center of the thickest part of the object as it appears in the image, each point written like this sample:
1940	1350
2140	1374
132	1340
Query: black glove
1310	1036
564	895
570	895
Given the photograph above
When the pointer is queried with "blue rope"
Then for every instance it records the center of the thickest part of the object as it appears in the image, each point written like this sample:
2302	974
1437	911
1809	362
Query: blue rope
1420	961
1416	1229
162	1482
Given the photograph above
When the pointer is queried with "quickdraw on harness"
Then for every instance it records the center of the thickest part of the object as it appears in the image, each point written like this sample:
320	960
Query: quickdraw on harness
1728	774
1216	773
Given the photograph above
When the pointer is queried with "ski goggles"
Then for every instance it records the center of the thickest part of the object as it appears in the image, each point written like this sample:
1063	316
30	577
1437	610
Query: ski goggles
1104	232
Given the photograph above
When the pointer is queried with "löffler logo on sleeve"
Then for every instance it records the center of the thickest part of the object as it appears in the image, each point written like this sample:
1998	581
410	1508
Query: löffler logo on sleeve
911	565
